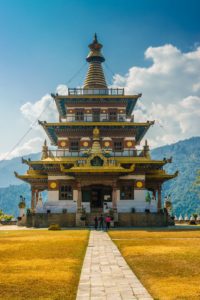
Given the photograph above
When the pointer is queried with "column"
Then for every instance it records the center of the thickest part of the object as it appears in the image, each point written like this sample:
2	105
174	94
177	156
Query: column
79	198
159	205
32	199
36	197
114	197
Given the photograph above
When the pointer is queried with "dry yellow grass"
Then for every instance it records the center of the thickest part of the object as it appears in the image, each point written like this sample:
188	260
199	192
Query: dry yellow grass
166	262
41	264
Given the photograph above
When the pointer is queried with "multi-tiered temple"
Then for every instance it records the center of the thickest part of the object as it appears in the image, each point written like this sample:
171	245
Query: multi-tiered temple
97	167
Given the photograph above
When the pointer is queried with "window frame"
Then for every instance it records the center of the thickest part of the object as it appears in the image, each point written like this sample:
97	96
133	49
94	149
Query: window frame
72	147
127	195
66	193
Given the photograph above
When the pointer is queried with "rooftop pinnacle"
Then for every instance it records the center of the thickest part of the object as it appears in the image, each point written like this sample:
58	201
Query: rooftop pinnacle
95	77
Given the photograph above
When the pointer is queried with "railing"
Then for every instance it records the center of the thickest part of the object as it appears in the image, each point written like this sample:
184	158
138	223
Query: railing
80	91
66	153
90	118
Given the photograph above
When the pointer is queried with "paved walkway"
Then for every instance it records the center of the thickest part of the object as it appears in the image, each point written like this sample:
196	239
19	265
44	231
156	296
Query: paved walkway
105	273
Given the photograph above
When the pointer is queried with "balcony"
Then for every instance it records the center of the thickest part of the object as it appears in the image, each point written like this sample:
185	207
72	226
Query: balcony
110	92
96	118
66	153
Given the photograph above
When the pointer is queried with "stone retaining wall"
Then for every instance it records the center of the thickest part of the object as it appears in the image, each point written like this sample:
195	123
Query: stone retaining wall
41	220
142	219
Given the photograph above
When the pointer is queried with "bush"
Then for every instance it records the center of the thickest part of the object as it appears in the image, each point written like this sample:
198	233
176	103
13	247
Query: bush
192	222
54	227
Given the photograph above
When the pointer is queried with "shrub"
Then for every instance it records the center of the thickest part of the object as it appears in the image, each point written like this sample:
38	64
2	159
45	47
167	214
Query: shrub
54	227
192	222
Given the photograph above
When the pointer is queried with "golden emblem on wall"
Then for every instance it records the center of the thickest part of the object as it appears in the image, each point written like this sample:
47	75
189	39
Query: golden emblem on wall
53	185
129	144
139	184
63	144
85	144
107	144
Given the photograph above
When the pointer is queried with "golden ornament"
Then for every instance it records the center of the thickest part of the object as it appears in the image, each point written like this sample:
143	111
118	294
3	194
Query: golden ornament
139	184
85	144
129	144
53	185
63	144
106	144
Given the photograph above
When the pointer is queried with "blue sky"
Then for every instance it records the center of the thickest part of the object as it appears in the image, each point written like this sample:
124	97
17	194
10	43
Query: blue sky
43	43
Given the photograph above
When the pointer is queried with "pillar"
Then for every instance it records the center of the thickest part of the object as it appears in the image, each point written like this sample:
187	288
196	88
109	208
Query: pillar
36	197
114	197
159	205
32	199
79	198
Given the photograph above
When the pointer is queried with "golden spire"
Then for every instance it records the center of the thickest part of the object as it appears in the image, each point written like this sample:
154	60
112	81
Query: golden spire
44	150
146	150
95	77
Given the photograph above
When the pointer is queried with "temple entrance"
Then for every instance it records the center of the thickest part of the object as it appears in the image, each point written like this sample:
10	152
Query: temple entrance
97	195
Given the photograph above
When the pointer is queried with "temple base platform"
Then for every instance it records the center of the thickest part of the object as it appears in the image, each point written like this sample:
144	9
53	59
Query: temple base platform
43	220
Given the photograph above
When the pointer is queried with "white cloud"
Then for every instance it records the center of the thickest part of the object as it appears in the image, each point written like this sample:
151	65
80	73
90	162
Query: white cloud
31	146
44	109
62	89
171	93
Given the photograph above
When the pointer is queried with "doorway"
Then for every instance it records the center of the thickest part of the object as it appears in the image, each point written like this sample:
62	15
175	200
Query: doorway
97	195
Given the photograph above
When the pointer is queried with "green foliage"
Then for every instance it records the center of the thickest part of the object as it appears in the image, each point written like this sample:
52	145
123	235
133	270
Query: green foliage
148	197
54	227
186	159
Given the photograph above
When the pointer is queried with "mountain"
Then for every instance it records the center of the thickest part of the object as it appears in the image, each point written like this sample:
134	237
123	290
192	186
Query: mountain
7	168
186	159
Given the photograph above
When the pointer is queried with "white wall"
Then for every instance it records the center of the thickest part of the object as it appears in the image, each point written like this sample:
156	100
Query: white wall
139	203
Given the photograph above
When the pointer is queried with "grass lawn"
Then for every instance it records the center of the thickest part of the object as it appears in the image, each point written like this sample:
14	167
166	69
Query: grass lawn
41	264
166	262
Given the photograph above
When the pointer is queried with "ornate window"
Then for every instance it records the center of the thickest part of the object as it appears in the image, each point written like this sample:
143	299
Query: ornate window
74	146
127	192
65	192
79	115
118	146
113	115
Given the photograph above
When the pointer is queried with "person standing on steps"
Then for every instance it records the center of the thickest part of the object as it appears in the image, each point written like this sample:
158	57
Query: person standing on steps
101	222
108	220
96	223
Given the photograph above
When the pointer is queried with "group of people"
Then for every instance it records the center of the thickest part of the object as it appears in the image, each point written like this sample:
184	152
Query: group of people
100	221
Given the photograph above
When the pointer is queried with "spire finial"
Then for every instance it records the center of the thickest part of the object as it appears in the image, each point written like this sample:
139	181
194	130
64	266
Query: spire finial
95	38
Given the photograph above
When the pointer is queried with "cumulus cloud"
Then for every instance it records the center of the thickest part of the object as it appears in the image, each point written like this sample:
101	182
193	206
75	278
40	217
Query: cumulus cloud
31	146
171	93
43	109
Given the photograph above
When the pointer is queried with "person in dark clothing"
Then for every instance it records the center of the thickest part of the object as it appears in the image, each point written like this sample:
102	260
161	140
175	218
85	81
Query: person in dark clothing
101	222
108	220
95	222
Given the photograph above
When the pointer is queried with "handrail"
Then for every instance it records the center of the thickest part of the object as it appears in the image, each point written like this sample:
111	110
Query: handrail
83	154
81	91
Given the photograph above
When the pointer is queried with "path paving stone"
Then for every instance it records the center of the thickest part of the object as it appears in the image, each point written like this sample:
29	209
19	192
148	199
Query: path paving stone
105	273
